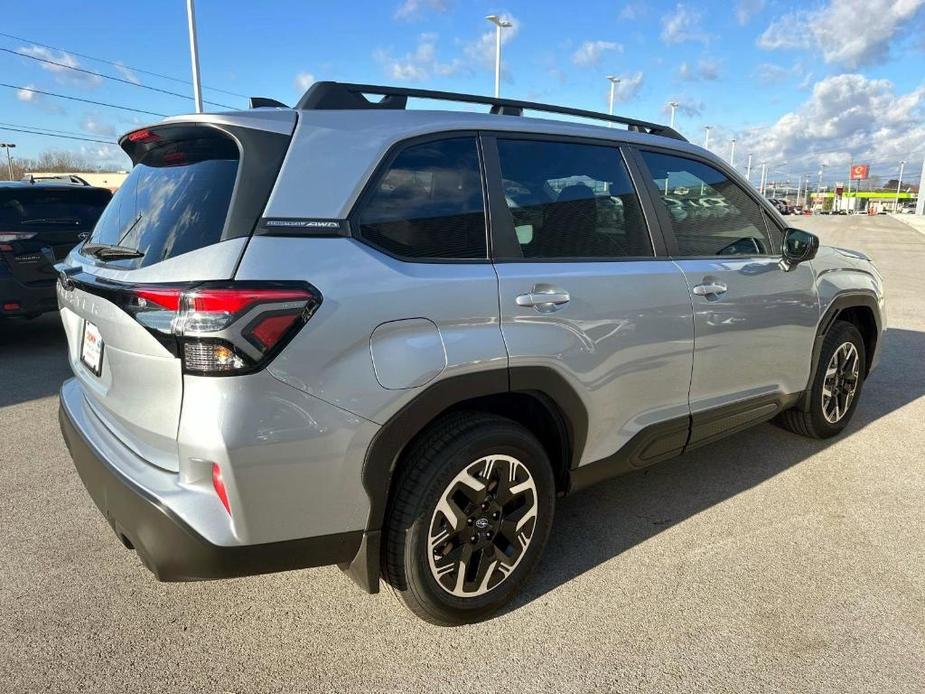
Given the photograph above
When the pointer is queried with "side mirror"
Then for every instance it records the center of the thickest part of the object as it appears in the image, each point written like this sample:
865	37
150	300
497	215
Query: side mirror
799	246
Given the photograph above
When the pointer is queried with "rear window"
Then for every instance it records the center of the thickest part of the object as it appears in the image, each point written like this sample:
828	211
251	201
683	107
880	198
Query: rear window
37	208
176	199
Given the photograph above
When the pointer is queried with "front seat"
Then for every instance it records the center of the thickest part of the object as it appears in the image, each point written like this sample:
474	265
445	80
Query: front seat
569	227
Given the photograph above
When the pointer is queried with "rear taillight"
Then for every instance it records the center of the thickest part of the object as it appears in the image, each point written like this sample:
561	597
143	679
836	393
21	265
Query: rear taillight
224	329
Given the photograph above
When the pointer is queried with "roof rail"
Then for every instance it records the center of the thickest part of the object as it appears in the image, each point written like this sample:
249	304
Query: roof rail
68	178
343	95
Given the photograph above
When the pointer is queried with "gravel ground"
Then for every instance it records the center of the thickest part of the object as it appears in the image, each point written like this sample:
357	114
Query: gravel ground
766	562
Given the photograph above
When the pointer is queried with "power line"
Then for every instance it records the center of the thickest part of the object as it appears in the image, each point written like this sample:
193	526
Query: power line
105	76
119	65
50	130
66	137
86	101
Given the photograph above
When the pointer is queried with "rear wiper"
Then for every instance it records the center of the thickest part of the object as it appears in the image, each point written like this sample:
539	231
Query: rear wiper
109	251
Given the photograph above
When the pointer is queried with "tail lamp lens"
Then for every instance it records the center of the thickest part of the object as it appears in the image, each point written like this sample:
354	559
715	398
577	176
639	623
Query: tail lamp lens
228	329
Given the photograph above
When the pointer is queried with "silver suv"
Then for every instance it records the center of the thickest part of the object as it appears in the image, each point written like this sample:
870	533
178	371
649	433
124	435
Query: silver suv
351	333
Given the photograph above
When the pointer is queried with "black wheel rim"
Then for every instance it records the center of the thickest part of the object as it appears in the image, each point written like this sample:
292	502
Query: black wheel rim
482	525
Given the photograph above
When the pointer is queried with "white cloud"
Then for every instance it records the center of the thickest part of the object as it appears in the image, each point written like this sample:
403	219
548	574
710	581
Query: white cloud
413	9
590	52
420	65
27	96
686	106
632	11
682	25
303	81
746	9
628	87
482	50
93	124
706	70
852	33
127	73
847	118
61	70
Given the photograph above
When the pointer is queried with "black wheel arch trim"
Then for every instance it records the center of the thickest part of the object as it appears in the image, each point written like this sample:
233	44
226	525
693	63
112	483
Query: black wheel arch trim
837	306
543	383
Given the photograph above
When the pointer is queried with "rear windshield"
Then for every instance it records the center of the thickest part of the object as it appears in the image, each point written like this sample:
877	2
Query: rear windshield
37	208
176	199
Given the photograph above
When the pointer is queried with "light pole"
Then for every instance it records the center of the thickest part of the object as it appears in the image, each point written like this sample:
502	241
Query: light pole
899	185
9	161
614	81
920	203
821	173
732	154
748	169
194	53
764	171
706	140
673	105
500	24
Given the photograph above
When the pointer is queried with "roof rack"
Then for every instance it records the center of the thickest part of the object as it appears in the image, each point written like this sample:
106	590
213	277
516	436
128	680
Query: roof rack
67	178
342	95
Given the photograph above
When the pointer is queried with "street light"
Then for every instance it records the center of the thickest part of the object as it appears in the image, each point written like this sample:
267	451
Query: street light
194	53
9	161
748	169
614	81
500	24
673	105
706	141
732	154
899	185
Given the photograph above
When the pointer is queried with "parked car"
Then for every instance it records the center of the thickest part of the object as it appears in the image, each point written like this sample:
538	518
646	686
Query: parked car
349	333
40	222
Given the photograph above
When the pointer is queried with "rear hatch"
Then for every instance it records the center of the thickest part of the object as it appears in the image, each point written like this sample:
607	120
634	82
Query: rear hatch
180	221
40	224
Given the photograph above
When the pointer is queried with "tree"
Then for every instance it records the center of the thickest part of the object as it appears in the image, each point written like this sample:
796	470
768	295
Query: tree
51	161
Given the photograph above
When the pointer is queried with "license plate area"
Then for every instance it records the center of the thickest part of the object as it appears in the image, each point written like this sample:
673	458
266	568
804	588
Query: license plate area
91	348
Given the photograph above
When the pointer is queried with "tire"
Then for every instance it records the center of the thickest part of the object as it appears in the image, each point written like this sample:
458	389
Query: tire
456	454
816	419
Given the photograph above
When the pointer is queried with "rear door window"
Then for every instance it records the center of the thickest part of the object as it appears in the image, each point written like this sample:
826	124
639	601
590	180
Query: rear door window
176	199
428	203
571	201
37	208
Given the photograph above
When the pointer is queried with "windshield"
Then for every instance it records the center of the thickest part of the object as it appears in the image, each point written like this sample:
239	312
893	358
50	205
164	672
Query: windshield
35	208
175	200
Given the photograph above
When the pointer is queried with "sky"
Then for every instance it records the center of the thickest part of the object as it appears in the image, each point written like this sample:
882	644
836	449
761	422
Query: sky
797	84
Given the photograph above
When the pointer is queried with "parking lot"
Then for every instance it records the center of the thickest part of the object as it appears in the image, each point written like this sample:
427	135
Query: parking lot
766	562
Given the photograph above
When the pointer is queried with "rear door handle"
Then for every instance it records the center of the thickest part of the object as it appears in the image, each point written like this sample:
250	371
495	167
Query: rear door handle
544	298
713	288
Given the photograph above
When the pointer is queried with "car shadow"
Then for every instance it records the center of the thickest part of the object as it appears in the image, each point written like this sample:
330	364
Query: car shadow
600	523
33	358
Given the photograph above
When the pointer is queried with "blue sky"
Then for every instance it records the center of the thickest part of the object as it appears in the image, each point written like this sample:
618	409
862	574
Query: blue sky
803	83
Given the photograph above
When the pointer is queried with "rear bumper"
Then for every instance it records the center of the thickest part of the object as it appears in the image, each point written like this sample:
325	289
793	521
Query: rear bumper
30	299
167	545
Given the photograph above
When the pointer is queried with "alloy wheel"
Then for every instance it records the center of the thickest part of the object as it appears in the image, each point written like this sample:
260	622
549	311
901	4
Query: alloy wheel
841	382
482	526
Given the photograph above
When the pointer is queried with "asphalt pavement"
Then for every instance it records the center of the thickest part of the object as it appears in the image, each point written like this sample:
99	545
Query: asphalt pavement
766	562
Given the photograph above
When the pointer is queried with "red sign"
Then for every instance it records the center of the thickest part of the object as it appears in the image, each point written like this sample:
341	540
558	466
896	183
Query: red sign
859	172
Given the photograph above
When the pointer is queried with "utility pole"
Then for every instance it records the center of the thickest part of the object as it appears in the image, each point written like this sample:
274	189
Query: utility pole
748	169
614	81
194	53
9	160
732	154
499	25
706	141
899	185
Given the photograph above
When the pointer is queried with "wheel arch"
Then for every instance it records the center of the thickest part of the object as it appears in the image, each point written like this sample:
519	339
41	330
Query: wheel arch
862	309
539	398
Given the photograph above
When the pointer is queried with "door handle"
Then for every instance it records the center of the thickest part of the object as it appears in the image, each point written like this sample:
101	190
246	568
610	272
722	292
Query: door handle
544	298
712	288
